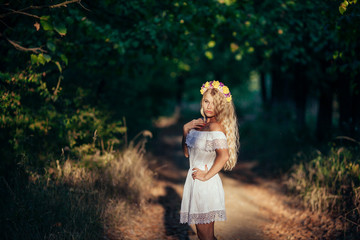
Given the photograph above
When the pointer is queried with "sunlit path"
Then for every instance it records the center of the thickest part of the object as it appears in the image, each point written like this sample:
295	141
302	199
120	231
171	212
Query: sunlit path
88	149
245	219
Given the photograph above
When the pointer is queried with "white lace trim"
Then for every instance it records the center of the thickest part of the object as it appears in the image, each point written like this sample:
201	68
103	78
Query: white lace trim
201	218
207	141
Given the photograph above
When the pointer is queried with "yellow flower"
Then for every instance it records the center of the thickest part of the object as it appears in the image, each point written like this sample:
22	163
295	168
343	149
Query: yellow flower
207	84
216	84
225	90
202	90
228	99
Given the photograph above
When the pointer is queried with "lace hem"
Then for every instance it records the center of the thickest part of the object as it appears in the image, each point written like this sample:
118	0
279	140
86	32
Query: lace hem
202	218
207	141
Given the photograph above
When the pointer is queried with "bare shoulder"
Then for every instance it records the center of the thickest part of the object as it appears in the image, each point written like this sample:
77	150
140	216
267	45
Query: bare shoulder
216	127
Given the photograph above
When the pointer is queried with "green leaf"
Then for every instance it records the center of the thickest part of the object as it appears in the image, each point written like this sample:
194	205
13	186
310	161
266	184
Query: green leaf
64	59
59	66
34	59
209	55
238	57
343	6
120	129
47	58
135	44
45	23
41	59
45	18
342	9
61	29
183	66
51	46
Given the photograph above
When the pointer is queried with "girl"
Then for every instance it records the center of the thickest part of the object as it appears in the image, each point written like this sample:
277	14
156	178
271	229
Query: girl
210	144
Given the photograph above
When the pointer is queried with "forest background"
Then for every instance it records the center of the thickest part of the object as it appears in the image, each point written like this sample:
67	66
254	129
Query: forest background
81	78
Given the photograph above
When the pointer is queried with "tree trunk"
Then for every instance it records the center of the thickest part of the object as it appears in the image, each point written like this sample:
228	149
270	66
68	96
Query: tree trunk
277	87
355	111
99	90
345	103
180	82
264	97
324	117
300	95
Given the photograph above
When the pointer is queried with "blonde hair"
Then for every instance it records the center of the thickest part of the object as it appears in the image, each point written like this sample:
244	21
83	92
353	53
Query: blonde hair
226	116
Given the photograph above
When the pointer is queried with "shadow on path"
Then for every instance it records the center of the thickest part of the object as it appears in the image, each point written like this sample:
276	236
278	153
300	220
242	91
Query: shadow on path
243	172
244	217
171	202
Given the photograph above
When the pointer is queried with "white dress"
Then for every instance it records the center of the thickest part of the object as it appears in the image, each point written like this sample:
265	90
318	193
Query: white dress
203	202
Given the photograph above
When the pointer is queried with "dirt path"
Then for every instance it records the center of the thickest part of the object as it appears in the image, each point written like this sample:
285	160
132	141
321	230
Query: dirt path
245	220
256	208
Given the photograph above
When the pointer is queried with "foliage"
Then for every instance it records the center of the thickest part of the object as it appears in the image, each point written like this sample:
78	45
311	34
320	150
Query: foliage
79	77
40	210
69	68
347	59
343	6
86	199
329	182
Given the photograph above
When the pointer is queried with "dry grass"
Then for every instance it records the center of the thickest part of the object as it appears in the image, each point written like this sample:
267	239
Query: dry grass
122	180
117	174
85	199
330	184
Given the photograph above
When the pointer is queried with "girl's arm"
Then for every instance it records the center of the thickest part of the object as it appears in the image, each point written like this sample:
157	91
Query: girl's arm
197	124
222	155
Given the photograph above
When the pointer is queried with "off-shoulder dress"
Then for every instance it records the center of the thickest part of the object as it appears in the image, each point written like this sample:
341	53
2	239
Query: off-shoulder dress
203	201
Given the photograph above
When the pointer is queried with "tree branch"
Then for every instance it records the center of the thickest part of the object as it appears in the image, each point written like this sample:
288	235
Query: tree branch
83	6
21	48
63	4
57	87
22	11
5	24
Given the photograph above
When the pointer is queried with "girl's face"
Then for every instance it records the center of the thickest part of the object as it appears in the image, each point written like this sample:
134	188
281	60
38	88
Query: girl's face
208	105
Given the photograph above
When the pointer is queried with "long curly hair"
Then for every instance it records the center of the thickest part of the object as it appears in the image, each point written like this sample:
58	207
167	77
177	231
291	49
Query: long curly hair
226	116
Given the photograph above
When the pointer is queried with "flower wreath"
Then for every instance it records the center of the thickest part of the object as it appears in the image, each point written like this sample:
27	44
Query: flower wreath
219	86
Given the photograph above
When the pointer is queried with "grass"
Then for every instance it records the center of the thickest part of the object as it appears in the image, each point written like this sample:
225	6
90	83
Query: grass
88	198
326	181
330	182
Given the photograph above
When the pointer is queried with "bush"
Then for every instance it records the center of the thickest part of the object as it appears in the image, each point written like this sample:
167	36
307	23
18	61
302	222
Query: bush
84	199
329	182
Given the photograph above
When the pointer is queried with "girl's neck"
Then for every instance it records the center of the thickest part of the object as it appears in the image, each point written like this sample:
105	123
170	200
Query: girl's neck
211	120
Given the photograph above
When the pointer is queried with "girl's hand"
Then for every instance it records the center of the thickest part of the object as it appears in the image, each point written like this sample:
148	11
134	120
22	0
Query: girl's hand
200	174
194	124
